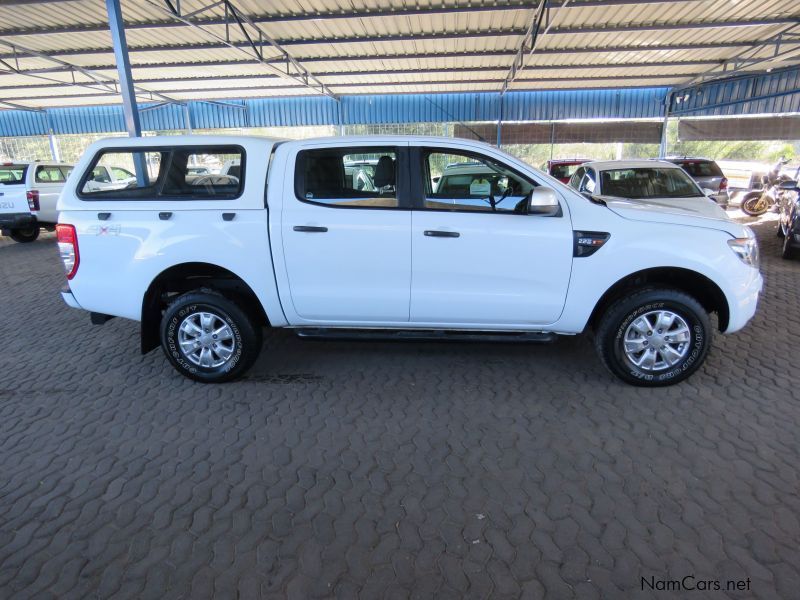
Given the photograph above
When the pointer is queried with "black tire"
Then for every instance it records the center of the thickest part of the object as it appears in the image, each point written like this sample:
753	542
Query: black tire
749	202
619	316
788	251
245	336
25	236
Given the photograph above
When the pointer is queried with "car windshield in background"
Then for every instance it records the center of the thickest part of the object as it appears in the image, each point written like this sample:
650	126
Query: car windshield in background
701	168
11	174
563	171
648	182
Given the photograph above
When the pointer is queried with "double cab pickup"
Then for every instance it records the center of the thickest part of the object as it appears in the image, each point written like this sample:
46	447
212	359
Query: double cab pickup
419	237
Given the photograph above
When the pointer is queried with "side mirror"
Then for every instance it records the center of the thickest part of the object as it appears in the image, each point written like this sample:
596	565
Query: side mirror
543	201
708	192
787	185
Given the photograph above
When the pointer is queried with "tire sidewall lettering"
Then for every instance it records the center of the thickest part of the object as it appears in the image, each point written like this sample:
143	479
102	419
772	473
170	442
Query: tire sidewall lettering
697	342
170	335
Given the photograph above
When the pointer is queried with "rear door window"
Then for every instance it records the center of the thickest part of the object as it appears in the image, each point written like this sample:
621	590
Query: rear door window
348	177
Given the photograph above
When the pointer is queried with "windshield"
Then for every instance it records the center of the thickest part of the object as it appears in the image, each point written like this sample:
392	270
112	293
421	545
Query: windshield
11	174
648	182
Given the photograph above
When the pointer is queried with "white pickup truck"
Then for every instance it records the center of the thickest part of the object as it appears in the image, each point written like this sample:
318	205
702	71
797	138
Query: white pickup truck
504	253
28	195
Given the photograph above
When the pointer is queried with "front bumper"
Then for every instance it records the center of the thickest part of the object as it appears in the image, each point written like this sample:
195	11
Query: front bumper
10	221
742	305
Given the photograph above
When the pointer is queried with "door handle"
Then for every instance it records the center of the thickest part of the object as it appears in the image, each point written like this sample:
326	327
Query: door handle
436	233
104	216
310	229
165	216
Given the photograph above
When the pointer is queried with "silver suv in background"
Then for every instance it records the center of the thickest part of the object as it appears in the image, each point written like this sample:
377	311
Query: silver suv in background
708	176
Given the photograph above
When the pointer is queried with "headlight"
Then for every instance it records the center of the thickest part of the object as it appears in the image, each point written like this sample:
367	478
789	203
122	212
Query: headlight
746	249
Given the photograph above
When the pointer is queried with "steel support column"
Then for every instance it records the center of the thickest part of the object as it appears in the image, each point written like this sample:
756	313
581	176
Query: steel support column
500	122
129	107
662	149
187	116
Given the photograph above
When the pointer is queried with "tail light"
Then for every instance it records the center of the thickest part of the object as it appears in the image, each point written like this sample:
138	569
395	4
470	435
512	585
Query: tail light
723	185
68	248
33	199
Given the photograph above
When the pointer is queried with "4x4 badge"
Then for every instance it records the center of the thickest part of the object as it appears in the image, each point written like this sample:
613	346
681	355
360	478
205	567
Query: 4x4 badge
104	230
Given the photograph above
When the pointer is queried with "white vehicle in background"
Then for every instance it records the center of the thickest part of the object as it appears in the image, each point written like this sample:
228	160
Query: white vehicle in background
110	178
505	253
29	193
654	182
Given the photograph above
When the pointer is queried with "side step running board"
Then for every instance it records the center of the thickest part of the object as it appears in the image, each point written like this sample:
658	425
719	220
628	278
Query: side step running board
526	337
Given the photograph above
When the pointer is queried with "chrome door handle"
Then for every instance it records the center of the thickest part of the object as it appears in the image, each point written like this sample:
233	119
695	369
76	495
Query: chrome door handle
310	229
436	233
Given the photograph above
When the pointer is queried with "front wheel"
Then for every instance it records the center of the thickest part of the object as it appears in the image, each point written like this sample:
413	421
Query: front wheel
755	204
209	338
654	337
24	236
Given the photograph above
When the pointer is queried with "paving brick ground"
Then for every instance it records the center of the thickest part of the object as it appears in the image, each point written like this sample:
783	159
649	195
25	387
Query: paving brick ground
389	470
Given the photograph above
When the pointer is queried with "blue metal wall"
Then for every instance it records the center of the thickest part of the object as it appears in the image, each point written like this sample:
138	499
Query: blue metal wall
770	93
350	110
777	92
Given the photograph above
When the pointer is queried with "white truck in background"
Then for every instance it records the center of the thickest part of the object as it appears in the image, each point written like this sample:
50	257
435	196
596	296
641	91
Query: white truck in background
29	193
502	252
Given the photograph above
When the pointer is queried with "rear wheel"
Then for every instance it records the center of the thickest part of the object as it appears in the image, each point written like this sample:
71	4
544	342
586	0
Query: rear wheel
23	236
209	338
654	337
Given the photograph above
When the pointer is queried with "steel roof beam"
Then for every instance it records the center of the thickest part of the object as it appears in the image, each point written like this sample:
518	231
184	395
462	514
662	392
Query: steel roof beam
741	60
234	63
423	55
527	45
493	81
100	79
533	68
16	106
257	41
340	15
442	35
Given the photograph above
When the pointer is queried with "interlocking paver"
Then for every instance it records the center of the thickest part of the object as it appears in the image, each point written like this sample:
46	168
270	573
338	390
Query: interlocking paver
348	470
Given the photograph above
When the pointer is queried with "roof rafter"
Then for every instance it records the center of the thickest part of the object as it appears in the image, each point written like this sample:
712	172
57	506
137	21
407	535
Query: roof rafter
742	61
425	55
257	42
372	72
677	77
101	79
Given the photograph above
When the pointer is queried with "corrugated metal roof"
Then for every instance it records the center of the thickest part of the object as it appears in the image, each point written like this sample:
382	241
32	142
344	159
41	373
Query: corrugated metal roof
425	46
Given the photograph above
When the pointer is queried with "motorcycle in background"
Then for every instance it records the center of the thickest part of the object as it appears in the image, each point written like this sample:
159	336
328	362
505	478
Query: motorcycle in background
758	202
